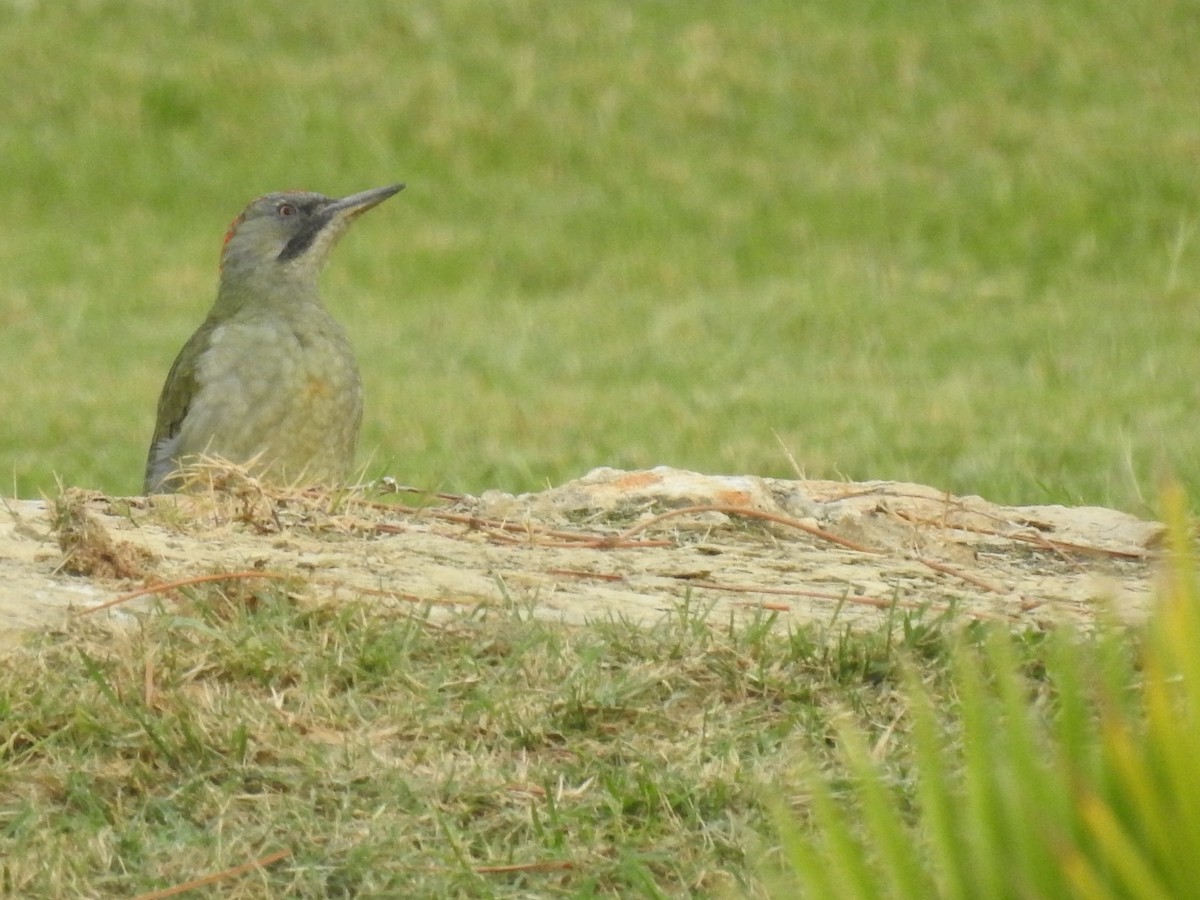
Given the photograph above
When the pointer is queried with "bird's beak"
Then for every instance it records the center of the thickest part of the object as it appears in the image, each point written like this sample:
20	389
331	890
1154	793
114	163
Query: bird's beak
356	204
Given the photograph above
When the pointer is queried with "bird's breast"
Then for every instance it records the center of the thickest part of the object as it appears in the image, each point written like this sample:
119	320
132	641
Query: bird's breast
285	390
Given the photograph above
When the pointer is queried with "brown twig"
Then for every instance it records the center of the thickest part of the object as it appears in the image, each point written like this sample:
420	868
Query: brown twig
1033	537
969	579
214	877
748	513
1085	549
1027	603
494	529
584	540
769	604
482	523
173	585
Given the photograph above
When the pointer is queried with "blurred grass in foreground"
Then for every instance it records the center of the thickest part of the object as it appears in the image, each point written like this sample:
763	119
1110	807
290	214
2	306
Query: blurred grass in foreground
1079	781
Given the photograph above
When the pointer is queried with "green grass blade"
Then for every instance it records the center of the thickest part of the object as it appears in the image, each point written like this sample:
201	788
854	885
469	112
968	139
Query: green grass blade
938	784
890	838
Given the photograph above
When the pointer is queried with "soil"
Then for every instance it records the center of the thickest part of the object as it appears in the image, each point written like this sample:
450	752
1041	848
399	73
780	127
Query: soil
613	543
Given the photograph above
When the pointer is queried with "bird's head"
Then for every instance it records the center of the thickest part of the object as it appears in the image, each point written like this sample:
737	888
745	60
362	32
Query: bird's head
286	237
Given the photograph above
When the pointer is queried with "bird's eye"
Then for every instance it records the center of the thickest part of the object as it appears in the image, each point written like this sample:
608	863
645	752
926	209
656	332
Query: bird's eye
285	210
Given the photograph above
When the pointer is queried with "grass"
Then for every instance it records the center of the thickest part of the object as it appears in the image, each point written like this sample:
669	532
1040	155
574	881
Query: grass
247	734
485	756
956	246
951	243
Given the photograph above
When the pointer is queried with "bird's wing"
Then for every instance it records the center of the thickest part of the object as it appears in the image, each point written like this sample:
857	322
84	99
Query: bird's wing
176	398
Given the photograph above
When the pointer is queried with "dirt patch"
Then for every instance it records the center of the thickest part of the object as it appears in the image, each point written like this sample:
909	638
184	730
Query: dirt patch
630	544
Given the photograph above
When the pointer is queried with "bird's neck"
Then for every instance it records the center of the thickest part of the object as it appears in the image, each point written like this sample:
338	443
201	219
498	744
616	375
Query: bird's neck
280	292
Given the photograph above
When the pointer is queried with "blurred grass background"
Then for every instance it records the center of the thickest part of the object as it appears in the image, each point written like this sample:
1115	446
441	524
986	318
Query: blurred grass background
954	243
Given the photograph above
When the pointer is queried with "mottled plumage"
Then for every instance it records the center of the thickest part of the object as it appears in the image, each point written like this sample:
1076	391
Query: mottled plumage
269	378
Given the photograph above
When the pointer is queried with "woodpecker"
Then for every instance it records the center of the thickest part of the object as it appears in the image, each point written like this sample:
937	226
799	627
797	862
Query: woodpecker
269	379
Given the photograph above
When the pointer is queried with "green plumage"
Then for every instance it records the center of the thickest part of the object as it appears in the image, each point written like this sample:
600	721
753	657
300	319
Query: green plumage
269	380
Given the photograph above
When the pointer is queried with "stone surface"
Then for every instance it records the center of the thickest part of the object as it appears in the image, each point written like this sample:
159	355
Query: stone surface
615	543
